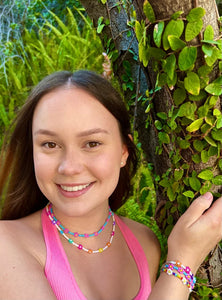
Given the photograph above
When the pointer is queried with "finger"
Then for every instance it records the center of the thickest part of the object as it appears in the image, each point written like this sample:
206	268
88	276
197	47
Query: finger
197	208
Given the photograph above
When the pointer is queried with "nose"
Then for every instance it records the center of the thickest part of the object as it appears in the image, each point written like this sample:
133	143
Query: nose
70	163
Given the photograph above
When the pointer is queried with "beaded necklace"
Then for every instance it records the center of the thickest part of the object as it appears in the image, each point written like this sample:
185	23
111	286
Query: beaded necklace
62	230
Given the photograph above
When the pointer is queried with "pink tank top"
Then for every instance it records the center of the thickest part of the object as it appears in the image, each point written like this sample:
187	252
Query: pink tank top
58	271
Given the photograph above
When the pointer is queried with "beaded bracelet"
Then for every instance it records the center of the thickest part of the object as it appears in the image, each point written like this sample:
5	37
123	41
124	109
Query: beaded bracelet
182	272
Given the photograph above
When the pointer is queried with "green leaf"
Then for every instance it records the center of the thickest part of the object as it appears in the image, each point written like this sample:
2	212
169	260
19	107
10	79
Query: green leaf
217	180
203	71
176	15
193	29
178	174
179	96
219	122
199	97
103	1
209	33
206	175
156	53
210	141
176	43
187	110
195	14
192	83
148	11
187	58
196	158
217	135
164	137
212	151
208	50
162	115
189	194
204	156
198	145
195	125
158	125
215	88
195	183
220	164
206	187
170	65
157	33
174	27
210	60
139	30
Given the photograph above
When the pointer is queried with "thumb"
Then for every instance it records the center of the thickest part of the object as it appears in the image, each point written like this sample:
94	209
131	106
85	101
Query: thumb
197	208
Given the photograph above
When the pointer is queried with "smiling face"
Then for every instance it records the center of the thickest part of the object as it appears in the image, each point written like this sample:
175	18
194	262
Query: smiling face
77	150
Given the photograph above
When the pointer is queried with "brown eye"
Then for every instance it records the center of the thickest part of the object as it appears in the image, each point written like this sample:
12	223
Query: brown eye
93	144
50	145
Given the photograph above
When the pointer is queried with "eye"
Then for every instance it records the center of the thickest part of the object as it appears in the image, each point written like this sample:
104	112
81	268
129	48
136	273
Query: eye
49	145
93	144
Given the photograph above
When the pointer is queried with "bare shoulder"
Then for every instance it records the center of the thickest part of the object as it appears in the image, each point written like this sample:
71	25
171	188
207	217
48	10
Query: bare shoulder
149	243
22	268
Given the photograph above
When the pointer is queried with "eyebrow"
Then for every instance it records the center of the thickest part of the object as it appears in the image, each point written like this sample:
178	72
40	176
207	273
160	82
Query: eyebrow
81	134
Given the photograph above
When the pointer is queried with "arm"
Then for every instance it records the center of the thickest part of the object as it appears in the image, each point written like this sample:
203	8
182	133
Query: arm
21	275
193	237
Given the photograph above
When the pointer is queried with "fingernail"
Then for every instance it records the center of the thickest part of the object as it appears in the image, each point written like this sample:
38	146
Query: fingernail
208	196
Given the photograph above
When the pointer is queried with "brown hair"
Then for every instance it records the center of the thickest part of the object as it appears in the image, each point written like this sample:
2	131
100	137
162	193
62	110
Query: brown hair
22	195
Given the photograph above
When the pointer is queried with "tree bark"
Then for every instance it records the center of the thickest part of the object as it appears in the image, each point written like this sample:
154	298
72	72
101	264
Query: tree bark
145	79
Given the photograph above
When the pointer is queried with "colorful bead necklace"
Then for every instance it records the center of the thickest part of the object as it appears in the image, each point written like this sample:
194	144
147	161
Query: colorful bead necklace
62	230
76	234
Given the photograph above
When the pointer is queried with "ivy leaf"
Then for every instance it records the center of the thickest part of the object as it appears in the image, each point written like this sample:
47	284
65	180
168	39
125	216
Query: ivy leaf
219	122
196	158
103	1
210	141
204	71
174	27
170	65
189	194
208	49
187	58
195	183
183	144
206	175
178	174
162	115
217	135
148	11
100	25
176	15
210	60
157	33
179	96
198	145
176	43
195	14
215	88
139	30
217	180
209	33
195	125
193	29
187	110
204	156
164	137
192	83
220	164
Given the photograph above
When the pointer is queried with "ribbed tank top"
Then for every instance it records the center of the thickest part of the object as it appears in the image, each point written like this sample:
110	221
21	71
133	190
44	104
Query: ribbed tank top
58	271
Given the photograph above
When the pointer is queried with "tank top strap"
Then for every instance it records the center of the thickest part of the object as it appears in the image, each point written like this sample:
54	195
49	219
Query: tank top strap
139	257
57	268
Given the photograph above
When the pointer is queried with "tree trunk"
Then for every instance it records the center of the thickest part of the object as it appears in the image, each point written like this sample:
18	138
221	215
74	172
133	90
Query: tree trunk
145	79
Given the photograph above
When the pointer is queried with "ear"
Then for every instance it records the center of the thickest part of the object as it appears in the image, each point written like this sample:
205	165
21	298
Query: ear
125	153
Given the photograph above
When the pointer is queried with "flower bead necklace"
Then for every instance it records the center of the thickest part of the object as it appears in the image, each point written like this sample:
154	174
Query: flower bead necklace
62	231
76	234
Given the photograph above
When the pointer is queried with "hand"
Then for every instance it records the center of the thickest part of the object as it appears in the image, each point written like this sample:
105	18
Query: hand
197	232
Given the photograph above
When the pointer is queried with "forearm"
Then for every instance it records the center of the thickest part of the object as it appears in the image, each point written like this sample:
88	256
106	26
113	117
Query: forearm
169	288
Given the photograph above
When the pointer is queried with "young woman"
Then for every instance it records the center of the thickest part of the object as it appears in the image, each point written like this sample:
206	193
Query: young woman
67	166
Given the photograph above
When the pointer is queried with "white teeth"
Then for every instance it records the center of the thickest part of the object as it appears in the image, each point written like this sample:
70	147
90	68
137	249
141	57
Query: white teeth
74	188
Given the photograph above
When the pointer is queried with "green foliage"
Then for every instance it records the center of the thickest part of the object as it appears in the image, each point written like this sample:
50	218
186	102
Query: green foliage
62	46
193	126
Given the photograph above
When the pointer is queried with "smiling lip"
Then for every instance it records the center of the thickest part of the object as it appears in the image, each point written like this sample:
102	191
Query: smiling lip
74	190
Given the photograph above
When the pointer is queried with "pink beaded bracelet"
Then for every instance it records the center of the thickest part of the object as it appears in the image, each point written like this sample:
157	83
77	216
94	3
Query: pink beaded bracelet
182	272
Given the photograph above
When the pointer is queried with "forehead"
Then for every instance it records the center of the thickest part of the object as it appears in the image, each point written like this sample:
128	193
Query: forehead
71	107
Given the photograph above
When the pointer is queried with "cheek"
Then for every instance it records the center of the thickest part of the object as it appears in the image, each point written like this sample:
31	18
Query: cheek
43	167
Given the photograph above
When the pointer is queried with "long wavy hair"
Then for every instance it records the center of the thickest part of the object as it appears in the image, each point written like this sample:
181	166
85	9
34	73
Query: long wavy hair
20	194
